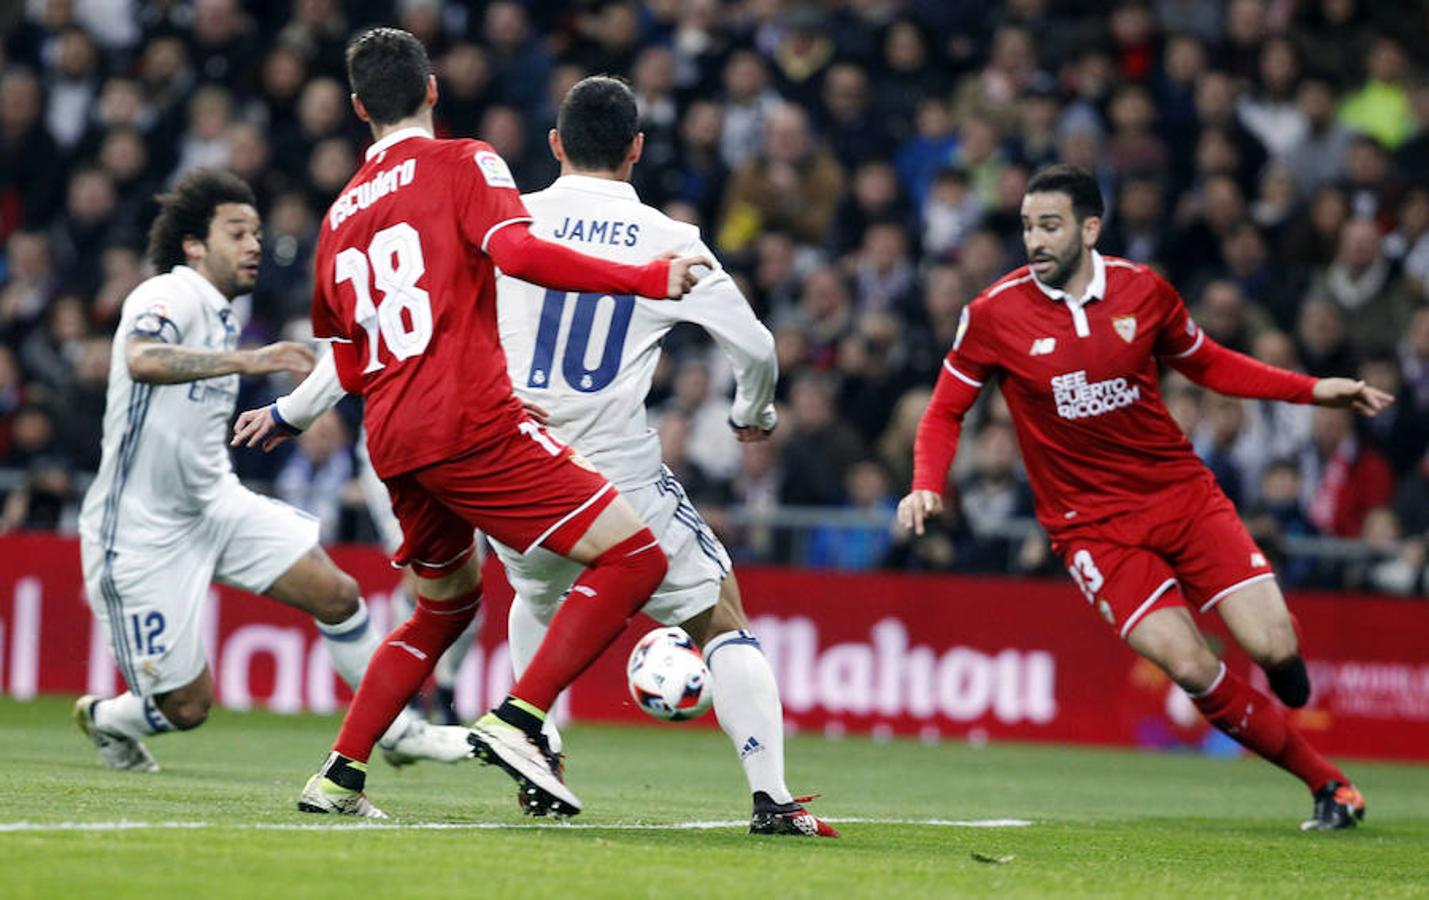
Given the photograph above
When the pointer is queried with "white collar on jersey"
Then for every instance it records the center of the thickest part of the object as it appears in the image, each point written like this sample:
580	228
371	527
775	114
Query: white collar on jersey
608	187
205	288
1096	289
397	136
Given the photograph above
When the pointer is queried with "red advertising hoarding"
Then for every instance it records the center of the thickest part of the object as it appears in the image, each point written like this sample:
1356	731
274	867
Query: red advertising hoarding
939	656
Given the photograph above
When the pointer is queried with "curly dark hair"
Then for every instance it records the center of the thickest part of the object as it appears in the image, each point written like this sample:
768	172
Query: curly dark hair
188	210
387	69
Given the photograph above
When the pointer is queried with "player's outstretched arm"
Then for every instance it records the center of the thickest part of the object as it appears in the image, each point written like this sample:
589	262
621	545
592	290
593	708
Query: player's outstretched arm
1236	375
153	361
293	413
520	254
1347	392
934	448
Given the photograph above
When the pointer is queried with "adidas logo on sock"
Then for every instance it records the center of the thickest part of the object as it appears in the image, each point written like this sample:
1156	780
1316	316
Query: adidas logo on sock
751	747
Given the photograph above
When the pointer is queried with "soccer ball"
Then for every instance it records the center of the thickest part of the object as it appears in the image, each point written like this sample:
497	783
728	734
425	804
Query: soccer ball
667	677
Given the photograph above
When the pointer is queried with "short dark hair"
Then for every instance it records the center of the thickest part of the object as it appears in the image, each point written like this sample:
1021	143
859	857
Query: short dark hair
387	68
1077	183
597	121
188	210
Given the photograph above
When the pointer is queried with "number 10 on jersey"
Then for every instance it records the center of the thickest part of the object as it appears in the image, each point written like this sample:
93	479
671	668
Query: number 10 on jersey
573	362
396	264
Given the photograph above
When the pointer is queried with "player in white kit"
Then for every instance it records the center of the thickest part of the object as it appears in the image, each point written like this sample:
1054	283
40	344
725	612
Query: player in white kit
166	516
584	363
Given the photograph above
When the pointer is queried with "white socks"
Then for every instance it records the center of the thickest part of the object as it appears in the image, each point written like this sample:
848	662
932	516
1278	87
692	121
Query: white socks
746	701
523	637
746	697
350	644
130	715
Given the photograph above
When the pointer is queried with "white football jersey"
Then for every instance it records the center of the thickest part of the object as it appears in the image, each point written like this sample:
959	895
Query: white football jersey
588	359
165	453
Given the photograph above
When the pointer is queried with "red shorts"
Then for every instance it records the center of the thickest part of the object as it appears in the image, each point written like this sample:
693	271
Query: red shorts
1132	565
524	489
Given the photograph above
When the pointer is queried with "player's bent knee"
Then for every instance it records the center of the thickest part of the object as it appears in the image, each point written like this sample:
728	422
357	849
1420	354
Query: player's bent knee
1194	672
187	713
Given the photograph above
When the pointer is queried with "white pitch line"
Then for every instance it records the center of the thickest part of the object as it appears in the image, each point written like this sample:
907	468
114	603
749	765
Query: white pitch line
124	825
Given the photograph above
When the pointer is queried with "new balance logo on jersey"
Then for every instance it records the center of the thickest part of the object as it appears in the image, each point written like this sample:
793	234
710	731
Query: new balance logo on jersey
1042	346
1076	398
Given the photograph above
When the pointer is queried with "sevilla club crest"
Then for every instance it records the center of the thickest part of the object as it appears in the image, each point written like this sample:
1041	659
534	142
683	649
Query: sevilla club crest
1125	327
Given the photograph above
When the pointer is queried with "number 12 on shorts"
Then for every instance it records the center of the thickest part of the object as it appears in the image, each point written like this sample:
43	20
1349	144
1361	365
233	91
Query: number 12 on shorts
147	629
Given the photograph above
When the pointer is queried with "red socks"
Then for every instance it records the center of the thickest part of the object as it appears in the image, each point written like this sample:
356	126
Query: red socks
1251	718
596	610
398	668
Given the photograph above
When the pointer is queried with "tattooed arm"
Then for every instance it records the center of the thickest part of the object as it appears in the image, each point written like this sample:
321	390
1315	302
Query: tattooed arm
152	361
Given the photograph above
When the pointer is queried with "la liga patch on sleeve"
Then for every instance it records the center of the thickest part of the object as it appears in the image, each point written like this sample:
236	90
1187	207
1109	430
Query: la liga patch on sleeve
493	169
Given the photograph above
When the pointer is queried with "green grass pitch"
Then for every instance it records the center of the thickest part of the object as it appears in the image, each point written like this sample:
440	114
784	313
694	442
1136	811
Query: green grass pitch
662	805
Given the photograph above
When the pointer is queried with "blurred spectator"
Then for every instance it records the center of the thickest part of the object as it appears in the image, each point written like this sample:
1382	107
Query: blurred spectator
30	281
711	444
72	83
674	431
1366	287
28	171
1270	111
12	396
855	547
824	315
1320	339
1370	183
895	445
993	496
317	474
224	43
520	64
748	101
953	210
318	31
1010	70
794	185
1276	515
1380	107
1226	317
1412	157
929	151
1134	147
322	112
1344	477
883	275
853	130
1400	432
871	363
205	142
45	501
89	222
79	404
1138	230
909	73
1220	442
49	355
874	198
819	448
1335	37
32	436
1319	156
1400	568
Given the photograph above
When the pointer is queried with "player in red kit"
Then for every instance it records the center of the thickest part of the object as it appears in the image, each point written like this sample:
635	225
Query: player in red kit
405	291
1076	339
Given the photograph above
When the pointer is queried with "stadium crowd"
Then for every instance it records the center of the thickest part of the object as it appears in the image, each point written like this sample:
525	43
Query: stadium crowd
858	164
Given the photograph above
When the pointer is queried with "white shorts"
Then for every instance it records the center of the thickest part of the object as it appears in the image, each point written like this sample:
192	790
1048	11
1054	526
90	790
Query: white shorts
698	561
149	601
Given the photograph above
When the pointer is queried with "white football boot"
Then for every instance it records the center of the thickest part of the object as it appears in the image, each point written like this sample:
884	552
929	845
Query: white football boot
321	795
117	751
411	739
499	743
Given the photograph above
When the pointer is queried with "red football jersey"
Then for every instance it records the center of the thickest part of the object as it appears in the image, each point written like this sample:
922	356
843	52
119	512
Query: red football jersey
407	295
1081	381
